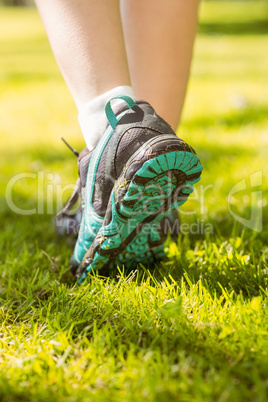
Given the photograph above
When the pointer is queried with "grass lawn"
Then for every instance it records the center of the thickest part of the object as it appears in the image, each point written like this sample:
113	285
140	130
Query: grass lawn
194	328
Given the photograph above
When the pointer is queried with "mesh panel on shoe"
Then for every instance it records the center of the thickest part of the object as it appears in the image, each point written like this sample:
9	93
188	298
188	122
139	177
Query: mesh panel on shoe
135	138
133	130
105	178
103	185
102	164
83	168
128	138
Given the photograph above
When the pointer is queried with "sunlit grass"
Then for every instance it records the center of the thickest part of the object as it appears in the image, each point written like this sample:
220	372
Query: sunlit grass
195	327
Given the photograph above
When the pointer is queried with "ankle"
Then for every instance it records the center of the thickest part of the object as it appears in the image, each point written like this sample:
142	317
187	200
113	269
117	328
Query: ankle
92	118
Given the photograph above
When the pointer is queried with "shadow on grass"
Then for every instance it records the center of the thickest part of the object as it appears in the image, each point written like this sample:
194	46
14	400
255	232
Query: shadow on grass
255	27
234	119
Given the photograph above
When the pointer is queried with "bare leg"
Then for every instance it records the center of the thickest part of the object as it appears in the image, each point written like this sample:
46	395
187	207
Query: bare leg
88	43
159	38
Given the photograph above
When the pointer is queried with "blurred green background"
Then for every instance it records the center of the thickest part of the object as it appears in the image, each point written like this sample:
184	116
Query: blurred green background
116	340
225	116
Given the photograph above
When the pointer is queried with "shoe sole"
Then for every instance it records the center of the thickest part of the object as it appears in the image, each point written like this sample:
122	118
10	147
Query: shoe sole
157	178
147	247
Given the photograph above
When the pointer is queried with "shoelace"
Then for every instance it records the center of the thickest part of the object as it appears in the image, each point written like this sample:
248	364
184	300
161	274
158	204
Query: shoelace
76	192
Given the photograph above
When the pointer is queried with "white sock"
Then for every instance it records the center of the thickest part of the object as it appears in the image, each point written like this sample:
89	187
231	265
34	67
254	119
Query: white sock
92	118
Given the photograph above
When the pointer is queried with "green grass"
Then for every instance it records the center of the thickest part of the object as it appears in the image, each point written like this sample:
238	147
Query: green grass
195	328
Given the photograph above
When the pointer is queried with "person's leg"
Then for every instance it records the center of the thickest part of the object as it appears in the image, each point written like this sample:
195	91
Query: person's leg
159	38
87	40
86	37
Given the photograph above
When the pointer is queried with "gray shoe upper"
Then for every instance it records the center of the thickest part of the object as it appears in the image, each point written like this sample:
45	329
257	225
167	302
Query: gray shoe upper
135	128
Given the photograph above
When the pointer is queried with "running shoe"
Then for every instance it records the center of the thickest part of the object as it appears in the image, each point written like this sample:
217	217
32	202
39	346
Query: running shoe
149	242
139	172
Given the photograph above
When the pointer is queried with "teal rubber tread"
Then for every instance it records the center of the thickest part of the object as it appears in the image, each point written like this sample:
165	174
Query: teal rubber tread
140	249
143	202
